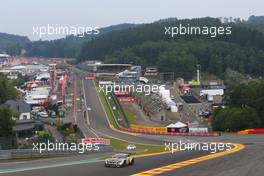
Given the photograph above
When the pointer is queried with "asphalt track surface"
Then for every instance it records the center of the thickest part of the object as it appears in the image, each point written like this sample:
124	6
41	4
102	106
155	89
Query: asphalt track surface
246	162
96	166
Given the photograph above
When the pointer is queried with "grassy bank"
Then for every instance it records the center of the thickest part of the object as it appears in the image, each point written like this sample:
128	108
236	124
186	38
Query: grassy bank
107	108
120	145
131	117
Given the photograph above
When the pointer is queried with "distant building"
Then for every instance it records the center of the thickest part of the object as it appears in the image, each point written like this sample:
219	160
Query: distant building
27	128
18	106
151	71
3	59
107	69
133	74
4	56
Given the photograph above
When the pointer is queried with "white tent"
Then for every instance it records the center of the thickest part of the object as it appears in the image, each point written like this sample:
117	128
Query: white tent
177	125
180	125
171	125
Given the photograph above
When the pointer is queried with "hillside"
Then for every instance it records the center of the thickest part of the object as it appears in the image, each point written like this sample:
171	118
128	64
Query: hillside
117	40
147	45
256	22
68	46
12	44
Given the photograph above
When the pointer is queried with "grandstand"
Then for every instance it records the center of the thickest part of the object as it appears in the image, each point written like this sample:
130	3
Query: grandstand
108	69
152	105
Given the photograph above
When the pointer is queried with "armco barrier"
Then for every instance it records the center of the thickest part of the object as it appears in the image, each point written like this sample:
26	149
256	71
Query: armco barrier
147	131
256	131
29	153
252	131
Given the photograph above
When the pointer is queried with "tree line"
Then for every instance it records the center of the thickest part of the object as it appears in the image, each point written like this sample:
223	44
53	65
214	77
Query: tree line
117	40
7	92
244	109
215	57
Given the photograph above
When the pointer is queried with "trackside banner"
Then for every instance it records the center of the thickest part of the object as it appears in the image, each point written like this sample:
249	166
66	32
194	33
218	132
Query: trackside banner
101	141
128	99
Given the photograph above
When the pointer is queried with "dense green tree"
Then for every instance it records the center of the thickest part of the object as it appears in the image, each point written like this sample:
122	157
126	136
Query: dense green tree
235	119
20	80
215	57
6	123
7	90
12	44
14	49
245	108
44	136
233	78
249	94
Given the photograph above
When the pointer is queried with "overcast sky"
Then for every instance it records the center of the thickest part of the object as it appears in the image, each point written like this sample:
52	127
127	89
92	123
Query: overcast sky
20	16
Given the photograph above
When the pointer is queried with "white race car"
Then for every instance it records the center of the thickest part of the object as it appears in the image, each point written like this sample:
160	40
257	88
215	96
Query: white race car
131	147
119	160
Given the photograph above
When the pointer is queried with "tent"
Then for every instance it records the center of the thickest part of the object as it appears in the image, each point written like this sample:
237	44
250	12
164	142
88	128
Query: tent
180	125
177	127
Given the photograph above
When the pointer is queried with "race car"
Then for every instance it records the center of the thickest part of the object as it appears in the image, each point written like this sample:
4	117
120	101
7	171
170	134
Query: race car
131	147
119	160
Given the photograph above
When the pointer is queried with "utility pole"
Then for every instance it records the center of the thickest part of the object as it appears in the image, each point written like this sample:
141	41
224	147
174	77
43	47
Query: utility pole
74	97
198	73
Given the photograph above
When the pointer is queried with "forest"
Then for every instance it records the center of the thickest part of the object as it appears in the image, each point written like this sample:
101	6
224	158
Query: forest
244	109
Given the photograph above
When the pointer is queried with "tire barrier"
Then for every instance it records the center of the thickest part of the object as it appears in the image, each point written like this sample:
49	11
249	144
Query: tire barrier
252	131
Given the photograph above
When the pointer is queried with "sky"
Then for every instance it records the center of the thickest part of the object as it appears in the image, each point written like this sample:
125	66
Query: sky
21	16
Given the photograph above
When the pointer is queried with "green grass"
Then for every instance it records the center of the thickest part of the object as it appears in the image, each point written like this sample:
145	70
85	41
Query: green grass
112	114
116	112
131	117
120	145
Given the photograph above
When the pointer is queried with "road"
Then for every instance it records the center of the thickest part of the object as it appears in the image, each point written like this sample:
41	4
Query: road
248	162
82	119
233	165
94	166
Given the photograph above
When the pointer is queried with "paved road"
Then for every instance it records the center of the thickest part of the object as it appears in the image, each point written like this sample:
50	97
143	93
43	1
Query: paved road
81	118
248	162
94	166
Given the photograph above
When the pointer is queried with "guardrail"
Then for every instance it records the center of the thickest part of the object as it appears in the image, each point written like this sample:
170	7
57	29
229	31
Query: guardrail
146	131
252	131
29	153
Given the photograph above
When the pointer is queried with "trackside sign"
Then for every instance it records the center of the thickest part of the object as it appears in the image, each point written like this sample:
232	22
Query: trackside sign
100	141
